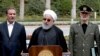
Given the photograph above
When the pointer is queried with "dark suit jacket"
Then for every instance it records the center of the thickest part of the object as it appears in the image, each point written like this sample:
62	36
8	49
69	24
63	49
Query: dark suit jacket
12	46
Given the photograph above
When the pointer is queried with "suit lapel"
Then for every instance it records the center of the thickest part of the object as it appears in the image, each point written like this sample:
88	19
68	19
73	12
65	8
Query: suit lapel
14	30
6	29
80	30
89	28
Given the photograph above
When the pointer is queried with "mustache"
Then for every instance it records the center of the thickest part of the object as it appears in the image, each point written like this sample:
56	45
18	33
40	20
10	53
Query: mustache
46	26
12	17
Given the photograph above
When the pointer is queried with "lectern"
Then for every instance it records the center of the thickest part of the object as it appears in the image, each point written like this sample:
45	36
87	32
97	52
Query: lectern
45	50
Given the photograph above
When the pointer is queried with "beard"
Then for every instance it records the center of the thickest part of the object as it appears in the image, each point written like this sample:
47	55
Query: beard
46	26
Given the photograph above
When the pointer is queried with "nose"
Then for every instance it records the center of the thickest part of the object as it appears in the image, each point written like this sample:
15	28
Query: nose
45	21
12	15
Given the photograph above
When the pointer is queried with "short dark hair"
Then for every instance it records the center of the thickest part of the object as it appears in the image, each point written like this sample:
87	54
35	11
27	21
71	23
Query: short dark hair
9	9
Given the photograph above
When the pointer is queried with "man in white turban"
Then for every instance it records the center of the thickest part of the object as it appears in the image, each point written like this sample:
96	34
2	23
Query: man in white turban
48	33
49	17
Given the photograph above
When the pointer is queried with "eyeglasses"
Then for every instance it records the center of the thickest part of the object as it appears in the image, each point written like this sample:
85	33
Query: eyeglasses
48	20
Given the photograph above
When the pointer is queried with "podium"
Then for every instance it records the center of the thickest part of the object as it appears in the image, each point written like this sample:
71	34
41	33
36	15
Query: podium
45	50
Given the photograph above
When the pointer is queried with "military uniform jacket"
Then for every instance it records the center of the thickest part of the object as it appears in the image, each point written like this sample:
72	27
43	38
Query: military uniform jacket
80	43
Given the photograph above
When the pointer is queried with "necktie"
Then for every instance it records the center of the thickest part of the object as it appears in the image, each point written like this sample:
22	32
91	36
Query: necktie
84	26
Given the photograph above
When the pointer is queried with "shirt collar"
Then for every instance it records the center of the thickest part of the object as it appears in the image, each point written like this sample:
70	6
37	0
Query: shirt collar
85	22
10	24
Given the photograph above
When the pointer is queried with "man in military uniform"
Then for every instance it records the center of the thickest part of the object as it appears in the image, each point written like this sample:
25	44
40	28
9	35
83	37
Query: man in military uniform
83	34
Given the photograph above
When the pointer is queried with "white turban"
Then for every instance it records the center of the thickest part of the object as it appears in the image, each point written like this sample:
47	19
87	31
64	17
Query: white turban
51	13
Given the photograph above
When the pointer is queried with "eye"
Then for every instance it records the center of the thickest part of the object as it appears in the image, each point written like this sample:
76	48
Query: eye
48	20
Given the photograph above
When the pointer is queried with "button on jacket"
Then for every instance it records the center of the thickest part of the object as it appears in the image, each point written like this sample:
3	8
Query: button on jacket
80	43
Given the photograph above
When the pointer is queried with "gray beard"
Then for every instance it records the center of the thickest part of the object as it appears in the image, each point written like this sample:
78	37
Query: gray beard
45	26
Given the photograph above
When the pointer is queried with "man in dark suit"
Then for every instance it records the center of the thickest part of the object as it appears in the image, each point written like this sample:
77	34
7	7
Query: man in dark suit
83	34
12	35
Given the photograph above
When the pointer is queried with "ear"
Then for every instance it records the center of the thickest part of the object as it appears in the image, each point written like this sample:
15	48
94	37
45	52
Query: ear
53	20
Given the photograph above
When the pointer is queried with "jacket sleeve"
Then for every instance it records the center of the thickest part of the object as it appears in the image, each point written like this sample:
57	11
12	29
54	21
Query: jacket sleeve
97	38
63	42
23	40
33	40
71	39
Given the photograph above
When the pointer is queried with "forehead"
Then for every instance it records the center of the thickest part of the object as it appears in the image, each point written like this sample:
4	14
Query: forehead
11	11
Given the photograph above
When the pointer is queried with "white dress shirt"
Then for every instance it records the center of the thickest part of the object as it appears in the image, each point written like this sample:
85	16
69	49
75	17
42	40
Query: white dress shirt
10	28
